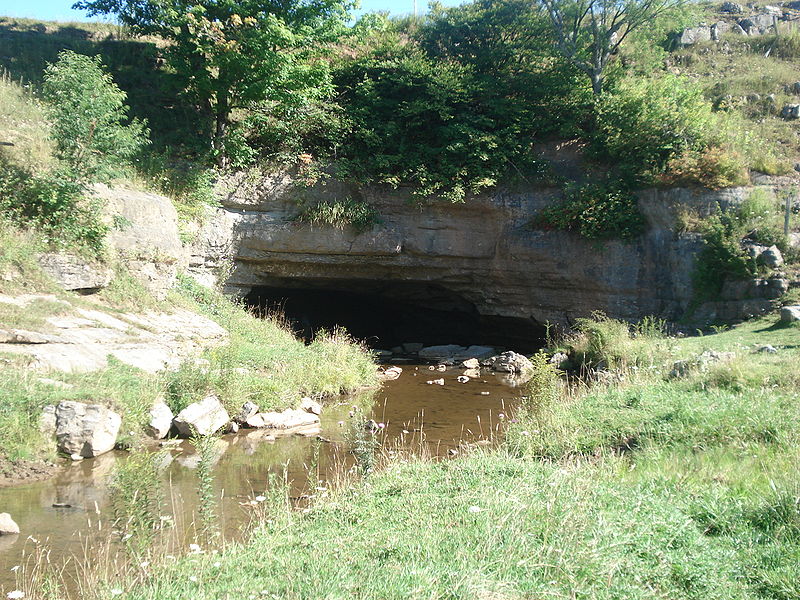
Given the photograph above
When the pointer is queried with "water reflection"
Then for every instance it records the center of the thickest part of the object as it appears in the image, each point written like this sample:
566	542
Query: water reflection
71	510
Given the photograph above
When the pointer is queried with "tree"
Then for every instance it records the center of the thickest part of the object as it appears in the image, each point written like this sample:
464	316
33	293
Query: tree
88	115
589	32
234	54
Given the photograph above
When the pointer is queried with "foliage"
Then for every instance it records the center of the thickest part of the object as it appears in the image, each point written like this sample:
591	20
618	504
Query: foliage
641	124
55	205
758	218
455	112
714	168
596	212
236	54
88	115
340	213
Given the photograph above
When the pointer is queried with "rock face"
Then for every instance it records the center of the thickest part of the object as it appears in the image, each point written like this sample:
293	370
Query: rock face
145	234
84	338
202	418
7	525
160	420
74	273
485	251
86	429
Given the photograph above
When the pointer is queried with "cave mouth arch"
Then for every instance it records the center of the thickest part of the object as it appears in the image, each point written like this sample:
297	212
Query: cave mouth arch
388	314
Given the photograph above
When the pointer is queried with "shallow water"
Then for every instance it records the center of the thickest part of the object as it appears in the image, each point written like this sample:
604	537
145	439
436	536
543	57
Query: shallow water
416	416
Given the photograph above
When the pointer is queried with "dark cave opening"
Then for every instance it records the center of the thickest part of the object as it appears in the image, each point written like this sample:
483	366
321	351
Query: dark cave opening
388	314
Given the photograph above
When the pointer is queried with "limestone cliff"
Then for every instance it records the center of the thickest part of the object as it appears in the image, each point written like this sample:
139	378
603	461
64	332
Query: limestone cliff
484	252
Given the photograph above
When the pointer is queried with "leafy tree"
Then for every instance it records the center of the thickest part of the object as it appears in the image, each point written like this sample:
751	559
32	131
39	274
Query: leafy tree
89	116
589	32
234	54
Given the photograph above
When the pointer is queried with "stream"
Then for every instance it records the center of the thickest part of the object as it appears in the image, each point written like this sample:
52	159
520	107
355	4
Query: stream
69	514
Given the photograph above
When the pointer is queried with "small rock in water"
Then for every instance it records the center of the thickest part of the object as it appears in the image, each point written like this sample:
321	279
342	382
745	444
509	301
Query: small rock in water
472	373
441	368
76	457
310	406
435	382
462	379
7	525
484	393
431	368
471	363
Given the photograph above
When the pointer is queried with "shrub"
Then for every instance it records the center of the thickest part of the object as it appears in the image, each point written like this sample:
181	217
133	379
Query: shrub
721	258
597	212
713	168
55	204
89	116
641	124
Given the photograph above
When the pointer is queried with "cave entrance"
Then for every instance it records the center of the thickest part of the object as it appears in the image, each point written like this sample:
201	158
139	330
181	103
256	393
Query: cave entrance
386	315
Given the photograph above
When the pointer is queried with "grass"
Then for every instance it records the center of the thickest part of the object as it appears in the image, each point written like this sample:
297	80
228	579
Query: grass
702	501
23	124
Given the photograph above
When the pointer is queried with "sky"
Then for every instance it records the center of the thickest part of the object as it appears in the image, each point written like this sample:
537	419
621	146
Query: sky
60	10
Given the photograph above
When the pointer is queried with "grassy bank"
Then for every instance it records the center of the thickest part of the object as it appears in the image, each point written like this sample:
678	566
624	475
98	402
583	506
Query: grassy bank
646	486
260	360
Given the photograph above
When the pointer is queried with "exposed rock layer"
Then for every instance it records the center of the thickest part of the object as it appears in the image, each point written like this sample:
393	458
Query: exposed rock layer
484	250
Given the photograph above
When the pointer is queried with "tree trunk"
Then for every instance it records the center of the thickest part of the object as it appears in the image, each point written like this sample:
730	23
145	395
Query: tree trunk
221	123
597	82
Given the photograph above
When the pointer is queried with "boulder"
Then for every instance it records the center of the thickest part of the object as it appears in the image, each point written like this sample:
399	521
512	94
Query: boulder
559	360
248	410
288	419
732	8
472	373
443	352
471	363
74	273
7	525
738	29
412	347
202	418
86	429
160	420
719	29
510	362
771	257
693	35
790	314
389	374
790	111
310	406
757	24
767	349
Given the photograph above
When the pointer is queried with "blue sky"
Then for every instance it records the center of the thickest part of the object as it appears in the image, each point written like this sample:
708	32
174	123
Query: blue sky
59	10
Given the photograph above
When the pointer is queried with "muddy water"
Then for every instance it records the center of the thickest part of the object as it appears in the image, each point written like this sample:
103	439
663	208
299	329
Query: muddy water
70	512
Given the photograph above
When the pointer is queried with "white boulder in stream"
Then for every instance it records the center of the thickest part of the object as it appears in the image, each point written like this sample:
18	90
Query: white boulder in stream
509	362
7	525
288	419
86	429
202	418
160	420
